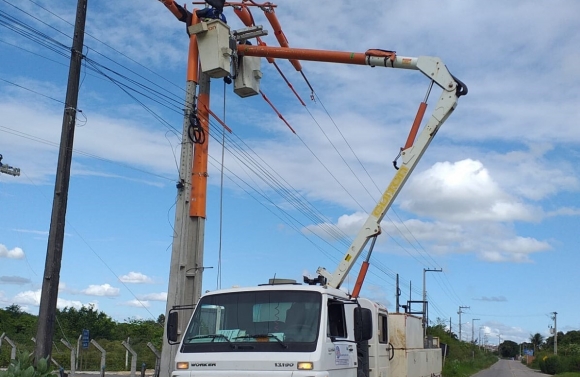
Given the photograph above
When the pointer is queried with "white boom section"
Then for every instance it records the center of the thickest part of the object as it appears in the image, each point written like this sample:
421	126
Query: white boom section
215	57
7	169
435	70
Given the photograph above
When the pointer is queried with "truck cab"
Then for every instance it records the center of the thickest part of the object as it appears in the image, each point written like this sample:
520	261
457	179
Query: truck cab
292	330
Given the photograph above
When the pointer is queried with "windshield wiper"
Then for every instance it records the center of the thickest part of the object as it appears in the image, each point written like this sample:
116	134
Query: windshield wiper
251	336
213	337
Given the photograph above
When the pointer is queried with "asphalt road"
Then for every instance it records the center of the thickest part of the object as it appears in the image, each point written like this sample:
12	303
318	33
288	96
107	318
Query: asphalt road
509	368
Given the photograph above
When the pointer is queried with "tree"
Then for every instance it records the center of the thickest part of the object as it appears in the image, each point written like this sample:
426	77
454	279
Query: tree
73	321
509	349
537	339
14	310
440	330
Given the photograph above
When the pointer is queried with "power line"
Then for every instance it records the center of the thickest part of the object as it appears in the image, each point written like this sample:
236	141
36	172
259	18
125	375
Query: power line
32	91
151	94
81	152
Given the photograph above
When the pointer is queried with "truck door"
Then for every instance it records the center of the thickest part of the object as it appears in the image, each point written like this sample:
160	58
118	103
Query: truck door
341	352
385	350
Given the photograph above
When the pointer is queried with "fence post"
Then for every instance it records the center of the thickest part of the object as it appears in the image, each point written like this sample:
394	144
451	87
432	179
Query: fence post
51	358
103	356
13	352
73	357
78	364
133	357
157	358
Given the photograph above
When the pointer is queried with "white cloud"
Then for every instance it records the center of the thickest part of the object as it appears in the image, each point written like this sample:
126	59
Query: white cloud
138	303
463	191
32	298
63	303
37	232
523	245
101	290
135	278
493	330
3	298
493	298
28	298
16	253
530	175
378	294
565	211
442	232
162	296
488	240
348	224
515	249
131	145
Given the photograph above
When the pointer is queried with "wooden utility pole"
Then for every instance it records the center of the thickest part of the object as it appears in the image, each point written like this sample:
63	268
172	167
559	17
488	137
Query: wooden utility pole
49	295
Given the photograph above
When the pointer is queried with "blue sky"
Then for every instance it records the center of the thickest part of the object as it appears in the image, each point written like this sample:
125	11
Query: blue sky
494	202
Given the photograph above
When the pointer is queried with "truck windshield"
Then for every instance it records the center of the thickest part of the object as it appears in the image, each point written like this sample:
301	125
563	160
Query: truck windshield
264	321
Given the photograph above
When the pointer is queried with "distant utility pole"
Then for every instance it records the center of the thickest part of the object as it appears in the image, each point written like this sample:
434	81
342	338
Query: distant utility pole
459	312
555	333
398	294
473	329
425	316
498	343
49	295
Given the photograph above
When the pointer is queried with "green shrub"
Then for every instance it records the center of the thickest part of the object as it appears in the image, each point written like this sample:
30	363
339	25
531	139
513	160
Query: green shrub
574	363
554	364
22	367
542	364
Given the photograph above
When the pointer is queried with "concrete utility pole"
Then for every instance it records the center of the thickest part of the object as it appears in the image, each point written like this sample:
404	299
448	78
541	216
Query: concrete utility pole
473	329
49	295
185	275
555	333
459	312
425	316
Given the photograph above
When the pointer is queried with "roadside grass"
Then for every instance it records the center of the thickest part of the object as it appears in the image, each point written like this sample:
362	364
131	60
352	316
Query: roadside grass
466	368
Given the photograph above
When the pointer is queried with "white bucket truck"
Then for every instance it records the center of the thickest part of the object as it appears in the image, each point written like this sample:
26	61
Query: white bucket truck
284	329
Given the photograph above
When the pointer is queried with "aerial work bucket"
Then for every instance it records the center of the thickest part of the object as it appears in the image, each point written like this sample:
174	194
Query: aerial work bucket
213	40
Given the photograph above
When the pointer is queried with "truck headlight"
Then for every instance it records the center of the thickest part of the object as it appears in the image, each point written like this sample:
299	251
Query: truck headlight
182	365
305	365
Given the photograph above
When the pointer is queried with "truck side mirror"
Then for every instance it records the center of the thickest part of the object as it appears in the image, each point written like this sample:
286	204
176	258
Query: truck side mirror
363	324
172	321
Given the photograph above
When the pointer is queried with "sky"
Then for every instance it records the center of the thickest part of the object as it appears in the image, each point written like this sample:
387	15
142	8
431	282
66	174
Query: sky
493	204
